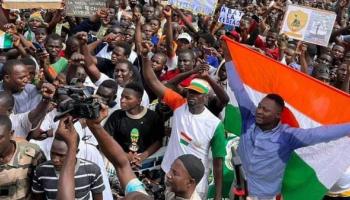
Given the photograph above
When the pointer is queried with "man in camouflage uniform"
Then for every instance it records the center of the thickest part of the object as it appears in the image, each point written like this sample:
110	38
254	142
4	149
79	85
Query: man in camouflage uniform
18	160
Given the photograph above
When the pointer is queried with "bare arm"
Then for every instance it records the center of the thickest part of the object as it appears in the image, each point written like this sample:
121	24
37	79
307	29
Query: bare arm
45	65
217	166
144	155
303	62
186	21
54	21
35	116
18	45
111	149
138	33
66	182
151	79
218	90
152	149
94	45
90	67
182	76
169	33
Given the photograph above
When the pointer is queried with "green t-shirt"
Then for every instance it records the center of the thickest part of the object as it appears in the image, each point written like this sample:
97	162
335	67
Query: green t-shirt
217	148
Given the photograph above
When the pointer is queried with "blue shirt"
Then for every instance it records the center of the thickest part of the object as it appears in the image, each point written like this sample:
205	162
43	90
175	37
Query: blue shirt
264	154
213	61
26	100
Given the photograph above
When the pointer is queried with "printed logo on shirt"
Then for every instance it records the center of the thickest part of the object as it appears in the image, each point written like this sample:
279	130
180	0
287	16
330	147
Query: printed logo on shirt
185	139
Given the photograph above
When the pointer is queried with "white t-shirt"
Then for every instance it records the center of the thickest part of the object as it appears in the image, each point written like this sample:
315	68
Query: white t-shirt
200	128
103	53
171	63
21	124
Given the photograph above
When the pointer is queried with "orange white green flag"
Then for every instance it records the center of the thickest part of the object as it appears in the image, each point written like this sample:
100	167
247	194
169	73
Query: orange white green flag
311	171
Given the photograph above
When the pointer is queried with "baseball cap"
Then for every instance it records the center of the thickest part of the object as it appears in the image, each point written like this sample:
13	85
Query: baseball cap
199	85
185	36
37	16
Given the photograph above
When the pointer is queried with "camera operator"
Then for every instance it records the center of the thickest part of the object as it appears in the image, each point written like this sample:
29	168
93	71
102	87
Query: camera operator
185	173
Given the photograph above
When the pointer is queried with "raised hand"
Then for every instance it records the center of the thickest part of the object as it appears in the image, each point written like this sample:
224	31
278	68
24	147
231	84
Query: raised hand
102	13
67	131
43	57
48	91
10	28
146	48
137	17
167	12
16	40
76	58
82	37
109	38
102	116
282	41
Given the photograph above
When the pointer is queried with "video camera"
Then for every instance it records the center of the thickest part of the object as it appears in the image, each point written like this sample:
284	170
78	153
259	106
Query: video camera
79	103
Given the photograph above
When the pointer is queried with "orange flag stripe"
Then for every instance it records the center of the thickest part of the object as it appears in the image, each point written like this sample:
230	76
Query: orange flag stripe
316	100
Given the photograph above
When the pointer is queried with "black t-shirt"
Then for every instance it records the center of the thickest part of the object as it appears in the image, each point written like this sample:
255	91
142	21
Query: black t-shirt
150	129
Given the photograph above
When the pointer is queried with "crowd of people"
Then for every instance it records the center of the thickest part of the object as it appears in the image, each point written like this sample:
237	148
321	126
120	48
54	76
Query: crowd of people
130	102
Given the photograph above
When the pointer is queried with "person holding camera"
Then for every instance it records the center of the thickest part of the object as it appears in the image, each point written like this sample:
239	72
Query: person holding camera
87	176
186	171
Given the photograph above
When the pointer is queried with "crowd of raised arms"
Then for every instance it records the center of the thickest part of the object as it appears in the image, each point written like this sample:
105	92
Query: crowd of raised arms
130	102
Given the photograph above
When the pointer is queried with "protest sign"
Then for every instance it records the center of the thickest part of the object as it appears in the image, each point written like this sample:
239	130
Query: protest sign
230	16
308	24
27	4
205	7
84	8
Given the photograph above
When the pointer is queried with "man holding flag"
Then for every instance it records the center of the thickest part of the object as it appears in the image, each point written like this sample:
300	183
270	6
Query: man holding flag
267	142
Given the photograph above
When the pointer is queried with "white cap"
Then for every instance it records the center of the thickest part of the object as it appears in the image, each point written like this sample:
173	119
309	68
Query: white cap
185	36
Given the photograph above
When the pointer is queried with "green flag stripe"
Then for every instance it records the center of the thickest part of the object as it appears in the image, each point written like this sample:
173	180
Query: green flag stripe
198	85
300	181
184	142
232	120
7	41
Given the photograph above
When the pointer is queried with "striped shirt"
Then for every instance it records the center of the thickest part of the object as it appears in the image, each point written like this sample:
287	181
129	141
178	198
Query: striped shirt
88	178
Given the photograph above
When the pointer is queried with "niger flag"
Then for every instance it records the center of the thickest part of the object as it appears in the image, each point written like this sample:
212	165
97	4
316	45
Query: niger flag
311	171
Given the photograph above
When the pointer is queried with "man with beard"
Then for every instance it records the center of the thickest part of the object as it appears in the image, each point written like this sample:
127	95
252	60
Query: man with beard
195	129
